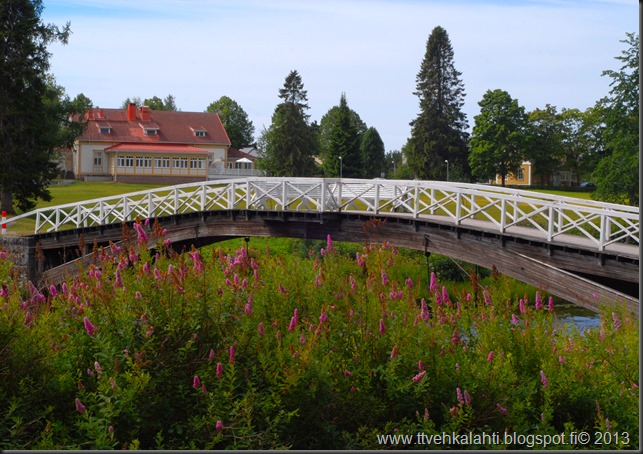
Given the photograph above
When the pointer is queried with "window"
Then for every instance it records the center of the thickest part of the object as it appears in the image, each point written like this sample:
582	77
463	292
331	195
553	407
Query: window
163	163
180	163
151	132
197	163
521	174
98	158
125	161
143	161
199	133
105	130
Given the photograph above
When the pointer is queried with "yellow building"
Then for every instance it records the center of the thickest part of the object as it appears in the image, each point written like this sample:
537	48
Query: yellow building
521	178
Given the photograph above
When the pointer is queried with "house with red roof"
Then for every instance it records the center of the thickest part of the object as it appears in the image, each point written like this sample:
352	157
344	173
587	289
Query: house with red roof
152	146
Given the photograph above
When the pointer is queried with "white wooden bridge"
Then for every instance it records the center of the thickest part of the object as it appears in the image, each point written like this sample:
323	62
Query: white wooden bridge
592	227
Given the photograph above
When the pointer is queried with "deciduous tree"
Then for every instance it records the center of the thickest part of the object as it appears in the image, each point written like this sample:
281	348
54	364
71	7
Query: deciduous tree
617	175
439	131
34	112
235	120
498	139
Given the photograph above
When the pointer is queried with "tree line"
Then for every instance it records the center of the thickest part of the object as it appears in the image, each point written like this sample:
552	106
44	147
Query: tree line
600	143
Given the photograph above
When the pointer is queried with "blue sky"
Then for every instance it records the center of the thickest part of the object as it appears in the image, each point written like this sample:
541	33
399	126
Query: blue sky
541	52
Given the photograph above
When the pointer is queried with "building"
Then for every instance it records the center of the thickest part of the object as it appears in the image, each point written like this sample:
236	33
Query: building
521	178
144	145
238	164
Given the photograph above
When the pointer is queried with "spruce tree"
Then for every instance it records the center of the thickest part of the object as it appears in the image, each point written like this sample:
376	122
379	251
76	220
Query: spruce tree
439	131
290	141
341	138
373	154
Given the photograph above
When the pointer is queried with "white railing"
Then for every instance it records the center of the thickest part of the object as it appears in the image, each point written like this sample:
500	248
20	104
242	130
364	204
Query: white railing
503	209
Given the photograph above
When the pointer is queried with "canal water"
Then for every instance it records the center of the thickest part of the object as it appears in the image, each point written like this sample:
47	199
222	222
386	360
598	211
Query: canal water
572	314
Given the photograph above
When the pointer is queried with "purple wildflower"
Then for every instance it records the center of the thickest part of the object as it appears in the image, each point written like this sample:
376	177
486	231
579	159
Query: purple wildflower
550	306
196	382
433	286
219	371
293	324
80	408
617	322
394	352
384	276
348	373
424	310
88	326
219	425
382	326
501	409
417	378
260	329
119	280
458	393
539	301
409	282
521	304
211	355
52	291
467	397
514	319
490	356
282	289
329	243
358	257
543	379
232	354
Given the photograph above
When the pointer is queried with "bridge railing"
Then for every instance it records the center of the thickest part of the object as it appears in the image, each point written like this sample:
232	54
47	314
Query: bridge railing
547	215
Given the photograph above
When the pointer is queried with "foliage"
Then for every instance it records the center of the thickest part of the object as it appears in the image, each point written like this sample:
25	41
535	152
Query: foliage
582	143
340	137
499	136
617	175
237	349
34	112
290	142
439	131
235	121
545	143
372	154
340	123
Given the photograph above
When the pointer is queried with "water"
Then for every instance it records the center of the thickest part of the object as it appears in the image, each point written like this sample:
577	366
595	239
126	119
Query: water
572	314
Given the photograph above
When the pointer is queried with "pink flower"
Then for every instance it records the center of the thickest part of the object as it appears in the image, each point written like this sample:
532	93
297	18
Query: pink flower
382	326
358	257
409	282
260	329
211	355
550	306
458	393
420	365
138	295
351	280
232	355
347	373
543	379
501	409
467	397
417	378
323	317
52	291
99	369
293	324
490	356
282	289
196	382
322	252
445	294
617	322
394	352
219	425
455	338
487	298
424	310
302	339
521	304
329	243
384	276
219	369
80	408
88	326
433	286
539	301
514	319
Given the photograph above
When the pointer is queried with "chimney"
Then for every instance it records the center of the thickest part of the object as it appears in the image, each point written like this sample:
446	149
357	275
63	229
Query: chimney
131	112
145	113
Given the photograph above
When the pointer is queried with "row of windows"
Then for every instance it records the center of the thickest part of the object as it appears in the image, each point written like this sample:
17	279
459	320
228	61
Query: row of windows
159	162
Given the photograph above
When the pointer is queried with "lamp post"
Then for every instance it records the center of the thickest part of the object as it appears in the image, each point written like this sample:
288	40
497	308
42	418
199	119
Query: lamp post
447	161
340	167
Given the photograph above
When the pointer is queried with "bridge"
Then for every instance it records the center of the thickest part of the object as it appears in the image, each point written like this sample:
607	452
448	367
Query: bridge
581	250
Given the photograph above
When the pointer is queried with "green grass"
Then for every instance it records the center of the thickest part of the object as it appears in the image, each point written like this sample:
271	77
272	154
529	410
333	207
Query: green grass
87	190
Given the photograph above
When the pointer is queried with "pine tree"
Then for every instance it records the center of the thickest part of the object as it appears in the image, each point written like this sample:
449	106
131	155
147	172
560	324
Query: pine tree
290	141
439	131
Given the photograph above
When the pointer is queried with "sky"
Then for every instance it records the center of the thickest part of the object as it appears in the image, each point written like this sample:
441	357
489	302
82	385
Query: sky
539	51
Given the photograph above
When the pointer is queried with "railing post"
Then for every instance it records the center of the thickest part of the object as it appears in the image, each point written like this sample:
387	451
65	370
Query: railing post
150	205
603	236
376	201
432	202
416	200
203	197
503	215
550	224
284	196
321	206
339	196
458	207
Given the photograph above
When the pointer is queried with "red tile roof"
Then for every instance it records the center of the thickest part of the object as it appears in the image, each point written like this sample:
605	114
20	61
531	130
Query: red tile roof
234	154
173	127
157	148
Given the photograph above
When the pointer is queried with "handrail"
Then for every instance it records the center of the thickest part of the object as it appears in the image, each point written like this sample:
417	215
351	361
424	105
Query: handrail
547	215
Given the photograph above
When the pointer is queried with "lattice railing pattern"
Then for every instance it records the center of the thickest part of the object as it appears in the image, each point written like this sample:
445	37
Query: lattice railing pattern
547	215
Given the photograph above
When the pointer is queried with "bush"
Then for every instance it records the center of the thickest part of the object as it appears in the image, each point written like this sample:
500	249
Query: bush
237	349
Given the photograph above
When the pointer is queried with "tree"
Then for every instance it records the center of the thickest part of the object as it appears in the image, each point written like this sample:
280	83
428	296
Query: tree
290	141
34	112
340	138
617	175
545	143
235	121
498	139
373	154
582	143
154	103
135	100
439	131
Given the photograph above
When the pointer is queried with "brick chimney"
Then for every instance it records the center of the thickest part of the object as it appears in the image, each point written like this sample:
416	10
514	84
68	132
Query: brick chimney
145	113
131	111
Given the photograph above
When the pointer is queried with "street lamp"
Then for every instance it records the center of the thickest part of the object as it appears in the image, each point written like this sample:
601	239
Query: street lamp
340	167
447	161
